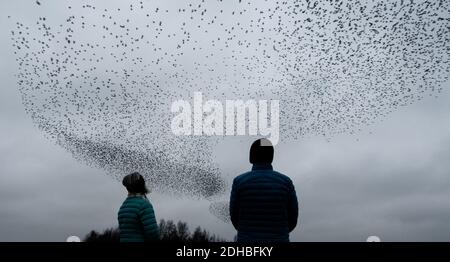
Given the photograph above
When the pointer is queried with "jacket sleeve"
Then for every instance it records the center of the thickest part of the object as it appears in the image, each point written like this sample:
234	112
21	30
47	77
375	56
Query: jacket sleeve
234	205
292	207
148	219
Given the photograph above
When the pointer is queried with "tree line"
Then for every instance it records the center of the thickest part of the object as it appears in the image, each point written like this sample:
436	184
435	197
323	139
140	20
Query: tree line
169	232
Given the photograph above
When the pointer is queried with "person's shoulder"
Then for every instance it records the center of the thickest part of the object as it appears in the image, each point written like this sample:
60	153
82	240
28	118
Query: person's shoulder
241	177
137	200
130	204
142	202
283	176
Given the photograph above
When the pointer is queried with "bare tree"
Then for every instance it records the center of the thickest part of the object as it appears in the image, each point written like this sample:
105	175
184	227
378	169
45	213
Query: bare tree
169	232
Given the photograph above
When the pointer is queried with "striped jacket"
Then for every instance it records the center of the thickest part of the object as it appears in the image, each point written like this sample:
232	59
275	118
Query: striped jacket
263	205
137	222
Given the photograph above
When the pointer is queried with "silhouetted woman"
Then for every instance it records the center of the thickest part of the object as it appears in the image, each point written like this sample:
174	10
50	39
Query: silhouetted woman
137	222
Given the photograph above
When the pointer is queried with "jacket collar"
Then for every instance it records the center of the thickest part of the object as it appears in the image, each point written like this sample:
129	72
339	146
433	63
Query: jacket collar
137	195
262	167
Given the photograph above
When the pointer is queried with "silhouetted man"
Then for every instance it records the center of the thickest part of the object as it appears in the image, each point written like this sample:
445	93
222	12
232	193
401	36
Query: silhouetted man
263	203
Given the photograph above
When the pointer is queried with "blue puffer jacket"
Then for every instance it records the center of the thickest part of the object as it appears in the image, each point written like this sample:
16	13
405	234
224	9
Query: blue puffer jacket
263	205
137	222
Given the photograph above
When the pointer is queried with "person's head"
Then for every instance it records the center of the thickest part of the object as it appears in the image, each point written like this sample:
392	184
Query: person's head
261	152
135	183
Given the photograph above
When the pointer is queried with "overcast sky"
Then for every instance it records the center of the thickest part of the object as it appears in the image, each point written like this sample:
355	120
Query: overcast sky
391	180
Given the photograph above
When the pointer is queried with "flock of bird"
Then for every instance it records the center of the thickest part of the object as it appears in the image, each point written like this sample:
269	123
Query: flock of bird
100	79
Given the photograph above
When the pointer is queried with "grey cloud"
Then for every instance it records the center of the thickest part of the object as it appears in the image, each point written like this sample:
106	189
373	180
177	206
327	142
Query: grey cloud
391	179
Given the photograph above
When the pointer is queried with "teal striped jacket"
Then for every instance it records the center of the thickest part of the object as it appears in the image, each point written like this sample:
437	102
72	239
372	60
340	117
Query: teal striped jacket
137	222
